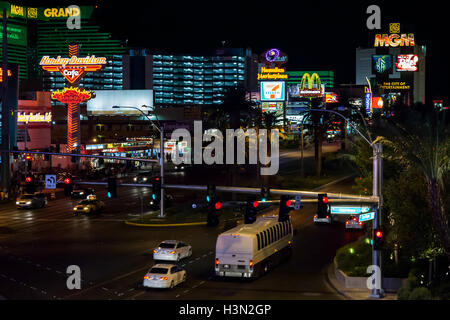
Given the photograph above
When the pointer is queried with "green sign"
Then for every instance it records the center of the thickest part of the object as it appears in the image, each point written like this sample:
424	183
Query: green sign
16	34
44	13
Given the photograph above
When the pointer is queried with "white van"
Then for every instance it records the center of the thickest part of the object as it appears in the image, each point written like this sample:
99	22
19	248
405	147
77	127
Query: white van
250	250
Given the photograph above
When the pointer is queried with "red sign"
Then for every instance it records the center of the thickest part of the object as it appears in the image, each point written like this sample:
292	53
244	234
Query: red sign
407	62
72	95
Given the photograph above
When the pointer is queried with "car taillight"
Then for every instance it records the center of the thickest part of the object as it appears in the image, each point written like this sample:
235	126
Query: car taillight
315	216
328	217
250	264
172	252
354	219
155	251
147	277
360	223
163	278
217	262
346	222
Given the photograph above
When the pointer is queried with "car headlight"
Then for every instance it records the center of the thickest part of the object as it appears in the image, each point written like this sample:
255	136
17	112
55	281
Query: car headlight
182	168
176	167
151	202
135	179
28	202
74	209
17	202
81	192
85	208
145	179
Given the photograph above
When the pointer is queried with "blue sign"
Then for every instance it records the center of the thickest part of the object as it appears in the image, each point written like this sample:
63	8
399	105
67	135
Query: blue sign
349	210
50	181
367	216
368	102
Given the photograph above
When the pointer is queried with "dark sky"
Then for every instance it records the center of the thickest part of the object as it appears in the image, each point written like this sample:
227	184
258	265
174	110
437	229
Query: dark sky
319	35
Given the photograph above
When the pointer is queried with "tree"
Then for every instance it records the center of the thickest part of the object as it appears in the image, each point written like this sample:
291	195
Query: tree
419	138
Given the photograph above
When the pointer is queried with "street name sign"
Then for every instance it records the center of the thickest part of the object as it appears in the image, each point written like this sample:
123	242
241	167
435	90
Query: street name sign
348	210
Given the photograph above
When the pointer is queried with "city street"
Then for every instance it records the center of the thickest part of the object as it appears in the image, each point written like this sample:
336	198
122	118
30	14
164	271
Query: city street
38	245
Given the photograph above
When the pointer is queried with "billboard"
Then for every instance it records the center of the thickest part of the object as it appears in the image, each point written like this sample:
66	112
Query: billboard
407	62
331	97
273	91
106	99
381	64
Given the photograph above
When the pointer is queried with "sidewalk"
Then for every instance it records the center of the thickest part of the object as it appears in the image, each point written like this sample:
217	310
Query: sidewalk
352	293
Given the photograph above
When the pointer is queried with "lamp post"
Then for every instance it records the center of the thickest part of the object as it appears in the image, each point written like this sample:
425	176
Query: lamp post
376	191
161	158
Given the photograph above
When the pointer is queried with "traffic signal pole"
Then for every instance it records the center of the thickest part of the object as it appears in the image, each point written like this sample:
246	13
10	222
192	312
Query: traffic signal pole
377	187
161	163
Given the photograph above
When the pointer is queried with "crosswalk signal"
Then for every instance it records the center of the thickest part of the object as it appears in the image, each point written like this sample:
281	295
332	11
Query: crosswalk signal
250	210
285	204
322	205
112	188
378	239
68	187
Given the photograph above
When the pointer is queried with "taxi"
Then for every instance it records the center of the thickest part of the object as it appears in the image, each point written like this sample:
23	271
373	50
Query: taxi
90	205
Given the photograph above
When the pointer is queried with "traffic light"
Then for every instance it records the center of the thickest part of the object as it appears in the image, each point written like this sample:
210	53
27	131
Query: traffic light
322	206
378	239
250	210
265	193
285	204
112	188
214	206
29	185
211	192
68	187
156	192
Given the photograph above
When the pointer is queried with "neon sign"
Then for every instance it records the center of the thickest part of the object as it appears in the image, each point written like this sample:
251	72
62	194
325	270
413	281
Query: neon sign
72	68
395	85
61	12
381	63
310	86
368	100
394	40
273	90
407	62
72	95
273	56
1	74
32	117
272	73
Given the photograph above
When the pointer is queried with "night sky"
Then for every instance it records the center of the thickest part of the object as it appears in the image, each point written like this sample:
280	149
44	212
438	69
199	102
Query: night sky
316	35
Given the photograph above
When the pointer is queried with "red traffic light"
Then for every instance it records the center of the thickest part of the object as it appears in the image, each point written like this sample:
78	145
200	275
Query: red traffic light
325	199
28	179
218	205
66	180
157	178
378	234
288	203
255	204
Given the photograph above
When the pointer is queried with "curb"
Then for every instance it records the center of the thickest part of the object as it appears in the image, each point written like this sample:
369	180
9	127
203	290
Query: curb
331	283
166	224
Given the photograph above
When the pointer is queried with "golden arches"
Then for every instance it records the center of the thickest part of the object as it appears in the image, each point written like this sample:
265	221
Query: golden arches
308	81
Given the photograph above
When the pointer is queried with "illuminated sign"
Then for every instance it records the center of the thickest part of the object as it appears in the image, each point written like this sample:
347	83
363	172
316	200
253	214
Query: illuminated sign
17	10
32	117
273	90
331	97
72	95
395	85
106	99
368	100
407	62
394	40
272	106
348	210
272	73
1	74
273	56
377	103
381	64
15	33
310	86
61	12
72	68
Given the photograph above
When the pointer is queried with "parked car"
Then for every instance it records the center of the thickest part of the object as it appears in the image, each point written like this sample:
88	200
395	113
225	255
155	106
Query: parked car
164	276
37	200
172	250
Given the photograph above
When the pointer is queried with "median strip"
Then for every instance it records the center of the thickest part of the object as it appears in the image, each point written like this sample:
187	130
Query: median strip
165	224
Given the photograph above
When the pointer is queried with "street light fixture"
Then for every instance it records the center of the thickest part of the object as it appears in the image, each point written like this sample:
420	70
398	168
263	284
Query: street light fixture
161	157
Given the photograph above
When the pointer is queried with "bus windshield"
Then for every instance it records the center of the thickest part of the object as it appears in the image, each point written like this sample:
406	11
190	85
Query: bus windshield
234	244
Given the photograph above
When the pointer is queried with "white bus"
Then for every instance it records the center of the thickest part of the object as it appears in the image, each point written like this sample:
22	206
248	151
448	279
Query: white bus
250	250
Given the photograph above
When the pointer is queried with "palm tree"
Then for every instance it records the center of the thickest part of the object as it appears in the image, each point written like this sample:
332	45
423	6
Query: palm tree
419	137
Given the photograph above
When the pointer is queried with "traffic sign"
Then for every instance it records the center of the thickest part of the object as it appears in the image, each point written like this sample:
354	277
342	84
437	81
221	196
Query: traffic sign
367	216
349	210
297	204
50	181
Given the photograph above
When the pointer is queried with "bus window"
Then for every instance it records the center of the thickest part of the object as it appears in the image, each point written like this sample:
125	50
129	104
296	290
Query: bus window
271	235
278	232
265	238
259	241
274	234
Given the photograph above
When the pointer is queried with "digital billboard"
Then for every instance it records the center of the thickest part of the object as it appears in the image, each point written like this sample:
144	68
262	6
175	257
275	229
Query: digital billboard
407	62
273	91
381	64
106	99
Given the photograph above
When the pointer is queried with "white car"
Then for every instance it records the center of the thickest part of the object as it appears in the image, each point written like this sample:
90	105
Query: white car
353	223
327	219
172	250
164	276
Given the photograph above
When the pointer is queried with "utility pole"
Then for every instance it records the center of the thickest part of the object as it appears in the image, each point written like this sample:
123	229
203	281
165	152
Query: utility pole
161	163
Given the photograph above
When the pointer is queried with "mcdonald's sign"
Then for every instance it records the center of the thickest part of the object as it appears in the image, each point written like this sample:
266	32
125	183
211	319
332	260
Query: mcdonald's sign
311	86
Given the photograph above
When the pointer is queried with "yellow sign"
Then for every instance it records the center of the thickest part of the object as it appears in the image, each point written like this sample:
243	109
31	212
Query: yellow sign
394	40
31	117
397	85
32	13
272	73
17	10
394	27
61	12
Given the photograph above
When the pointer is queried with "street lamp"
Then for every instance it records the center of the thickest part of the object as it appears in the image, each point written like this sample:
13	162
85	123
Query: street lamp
161	157
376	191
